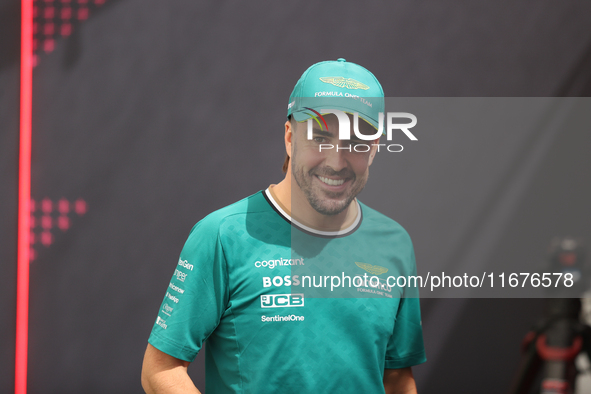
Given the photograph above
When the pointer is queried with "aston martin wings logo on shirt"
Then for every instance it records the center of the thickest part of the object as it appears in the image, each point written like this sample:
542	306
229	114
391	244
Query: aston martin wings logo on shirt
343	82
372	269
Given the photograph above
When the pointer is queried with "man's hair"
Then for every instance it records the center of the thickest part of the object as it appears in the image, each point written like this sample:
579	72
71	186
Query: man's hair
285	164
294	125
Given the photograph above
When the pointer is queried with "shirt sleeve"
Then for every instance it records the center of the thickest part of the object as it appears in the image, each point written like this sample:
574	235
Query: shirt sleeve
196	296
405	347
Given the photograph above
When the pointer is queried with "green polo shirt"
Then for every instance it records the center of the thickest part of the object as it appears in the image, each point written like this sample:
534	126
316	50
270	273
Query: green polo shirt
256	287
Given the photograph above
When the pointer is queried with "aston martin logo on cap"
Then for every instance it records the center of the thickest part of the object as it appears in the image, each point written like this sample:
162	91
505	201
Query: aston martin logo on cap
343	82
372	269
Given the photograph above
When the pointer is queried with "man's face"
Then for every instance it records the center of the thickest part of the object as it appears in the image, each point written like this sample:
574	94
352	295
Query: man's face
330	180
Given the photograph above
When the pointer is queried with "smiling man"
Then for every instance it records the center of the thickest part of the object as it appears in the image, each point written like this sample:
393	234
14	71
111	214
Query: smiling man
277	284
327	179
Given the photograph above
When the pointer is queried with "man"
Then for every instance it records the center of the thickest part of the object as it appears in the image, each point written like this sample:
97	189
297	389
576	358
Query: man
247	281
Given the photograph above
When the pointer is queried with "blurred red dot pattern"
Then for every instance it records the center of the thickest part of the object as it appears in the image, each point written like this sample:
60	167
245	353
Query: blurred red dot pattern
53	19
51	217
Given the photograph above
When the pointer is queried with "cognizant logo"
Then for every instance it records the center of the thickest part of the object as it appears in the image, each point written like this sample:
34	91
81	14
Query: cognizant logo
278	263
345	130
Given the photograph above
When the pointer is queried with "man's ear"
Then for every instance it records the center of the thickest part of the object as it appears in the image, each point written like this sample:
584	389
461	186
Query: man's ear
288	138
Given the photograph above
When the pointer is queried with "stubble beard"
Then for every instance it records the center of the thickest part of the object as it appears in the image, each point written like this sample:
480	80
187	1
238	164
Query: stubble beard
323	201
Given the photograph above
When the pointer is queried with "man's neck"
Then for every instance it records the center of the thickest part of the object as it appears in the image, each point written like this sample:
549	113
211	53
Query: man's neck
294	202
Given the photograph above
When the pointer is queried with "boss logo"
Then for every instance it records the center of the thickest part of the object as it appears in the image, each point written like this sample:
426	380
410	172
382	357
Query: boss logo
282	300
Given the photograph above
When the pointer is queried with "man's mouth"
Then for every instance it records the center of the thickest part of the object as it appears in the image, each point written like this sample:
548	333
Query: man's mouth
331	182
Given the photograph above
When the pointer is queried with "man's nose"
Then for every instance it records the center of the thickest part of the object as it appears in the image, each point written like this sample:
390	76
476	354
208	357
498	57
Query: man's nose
336	158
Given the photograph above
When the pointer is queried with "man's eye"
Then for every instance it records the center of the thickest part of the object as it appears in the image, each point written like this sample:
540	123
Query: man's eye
319	139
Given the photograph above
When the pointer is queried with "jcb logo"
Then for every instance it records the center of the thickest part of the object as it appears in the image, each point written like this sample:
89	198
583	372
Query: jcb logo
282	300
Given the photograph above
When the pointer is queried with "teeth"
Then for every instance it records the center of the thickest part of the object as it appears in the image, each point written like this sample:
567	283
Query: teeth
332	182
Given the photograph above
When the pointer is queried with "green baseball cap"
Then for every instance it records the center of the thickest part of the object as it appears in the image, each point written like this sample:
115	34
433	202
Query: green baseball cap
340	85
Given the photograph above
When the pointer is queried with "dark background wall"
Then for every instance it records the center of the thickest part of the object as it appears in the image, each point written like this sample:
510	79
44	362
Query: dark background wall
156	113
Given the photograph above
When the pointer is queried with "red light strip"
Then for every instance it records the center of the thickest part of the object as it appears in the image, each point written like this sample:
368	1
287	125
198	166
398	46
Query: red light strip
24	198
